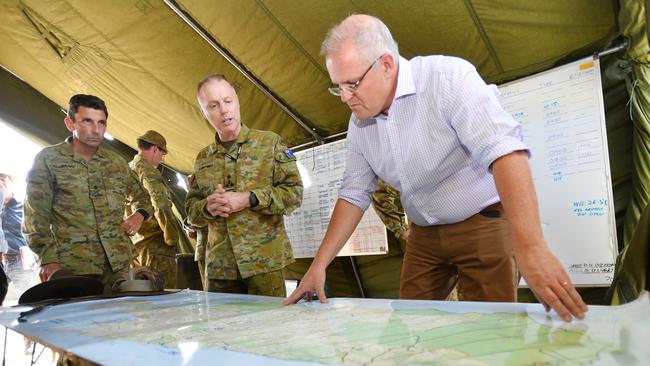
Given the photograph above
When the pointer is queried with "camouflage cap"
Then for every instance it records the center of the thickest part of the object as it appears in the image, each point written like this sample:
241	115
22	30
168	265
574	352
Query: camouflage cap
155	138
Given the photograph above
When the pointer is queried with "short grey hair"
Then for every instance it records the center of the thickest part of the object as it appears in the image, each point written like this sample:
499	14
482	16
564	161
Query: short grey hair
371	37
211	78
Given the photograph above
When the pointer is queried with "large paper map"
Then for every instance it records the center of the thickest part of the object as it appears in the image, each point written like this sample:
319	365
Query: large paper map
197	328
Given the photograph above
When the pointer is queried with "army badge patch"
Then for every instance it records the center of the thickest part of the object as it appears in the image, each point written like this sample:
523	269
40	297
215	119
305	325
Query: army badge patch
289	153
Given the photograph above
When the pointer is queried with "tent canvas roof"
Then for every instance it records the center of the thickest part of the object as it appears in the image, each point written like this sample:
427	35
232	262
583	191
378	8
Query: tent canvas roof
145	57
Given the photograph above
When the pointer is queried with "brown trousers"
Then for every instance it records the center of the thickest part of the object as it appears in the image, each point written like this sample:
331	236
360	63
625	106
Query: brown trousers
476	253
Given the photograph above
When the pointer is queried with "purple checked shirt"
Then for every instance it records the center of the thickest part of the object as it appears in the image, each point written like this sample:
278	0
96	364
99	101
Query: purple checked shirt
443	130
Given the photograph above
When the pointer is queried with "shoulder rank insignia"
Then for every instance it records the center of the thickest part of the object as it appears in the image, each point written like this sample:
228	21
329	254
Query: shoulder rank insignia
289	154
191	178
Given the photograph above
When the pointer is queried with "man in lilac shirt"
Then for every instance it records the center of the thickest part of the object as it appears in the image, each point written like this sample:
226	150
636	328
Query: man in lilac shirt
433	129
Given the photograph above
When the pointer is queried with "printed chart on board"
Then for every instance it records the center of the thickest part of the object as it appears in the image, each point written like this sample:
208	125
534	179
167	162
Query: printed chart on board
321	169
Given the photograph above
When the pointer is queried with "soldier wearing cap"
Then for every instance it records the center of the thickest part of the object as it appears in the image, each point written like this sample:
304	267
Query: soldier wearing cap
244	183
156	241
76	193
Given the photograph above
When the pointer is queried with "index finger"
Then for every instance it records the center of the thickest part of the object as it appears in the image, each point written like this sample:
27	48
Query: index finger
295	296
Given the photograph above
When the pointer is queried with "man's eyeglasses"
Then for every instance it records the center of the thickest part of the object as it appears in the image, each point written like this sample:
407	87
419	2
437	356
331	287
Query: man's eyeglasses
351	87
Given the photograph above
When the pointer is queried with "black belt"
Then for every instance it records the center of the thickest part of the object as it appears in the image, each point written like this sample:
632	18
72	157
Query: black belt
491	211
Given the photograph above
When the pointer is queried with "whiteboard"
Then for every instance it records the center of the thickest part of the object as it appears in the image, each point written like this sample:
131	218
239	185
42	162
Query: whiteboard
321	169
562	116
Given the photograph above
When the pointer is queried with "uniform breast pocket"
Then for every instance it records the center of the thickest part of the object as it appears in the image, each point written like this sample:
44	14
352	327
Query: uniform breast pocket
207	176
116	193
70	182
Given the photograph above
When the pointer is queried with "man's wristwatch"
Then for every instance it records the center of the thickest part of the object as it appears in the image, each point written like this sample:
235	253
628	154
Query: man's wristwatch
252	200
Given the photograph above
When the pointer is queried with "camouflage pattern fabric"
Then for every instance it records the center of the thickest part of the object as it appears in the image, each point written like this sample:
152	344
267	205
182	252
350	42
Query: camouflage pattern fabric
74	209
165	222
386	202
252	241
267	284
153	253
158	236
199	254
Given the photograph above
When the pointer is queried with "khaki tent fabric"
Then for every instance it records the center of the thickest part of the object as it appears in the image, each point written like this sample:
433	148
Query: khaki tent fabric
639	89
632	275
145	60
633	263
136	55
633	24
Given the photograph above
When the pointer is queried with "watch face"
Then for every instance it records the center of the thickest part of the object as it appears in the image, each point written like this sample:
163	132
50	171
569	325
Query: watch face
252	200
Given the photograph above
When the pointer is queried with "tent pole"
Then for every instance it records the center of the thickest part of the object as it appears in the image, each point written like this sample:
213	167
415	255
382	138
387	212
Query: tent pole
614	49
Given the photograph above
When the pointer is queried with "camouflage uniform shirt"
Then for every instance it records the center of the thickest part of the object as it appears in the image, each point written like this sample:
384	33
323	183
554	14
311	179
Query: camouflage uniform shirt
74	209
165	222
254	240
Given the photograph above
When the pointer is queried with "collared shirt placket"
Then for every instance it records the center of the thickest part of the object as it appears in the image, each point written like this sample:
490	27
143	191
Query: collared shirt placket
97	192
230	168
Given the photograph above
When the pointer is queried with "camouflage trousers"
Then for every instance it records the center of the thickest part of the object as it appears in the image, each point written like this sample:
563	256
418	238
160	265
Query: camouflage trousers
266	284
154	253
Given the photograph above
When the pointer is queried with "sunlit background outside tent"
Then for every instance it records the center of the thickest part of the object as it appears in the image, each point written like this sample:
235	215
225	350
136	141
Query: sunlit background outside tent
17	153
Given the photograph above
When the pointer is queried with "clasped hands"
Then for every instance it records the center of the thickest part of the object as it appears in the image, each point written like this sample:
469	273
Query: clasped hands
222	203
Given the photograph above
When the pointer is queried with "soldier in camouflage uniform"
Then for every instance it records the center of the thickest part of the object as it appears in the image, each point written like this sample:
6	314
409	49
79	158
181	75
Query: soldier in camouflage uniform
243	184
76	193
156	241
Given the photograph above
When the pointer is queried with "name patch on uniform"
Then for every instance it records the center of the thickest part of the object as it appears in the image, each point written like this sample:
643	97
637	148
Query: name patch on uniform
289	153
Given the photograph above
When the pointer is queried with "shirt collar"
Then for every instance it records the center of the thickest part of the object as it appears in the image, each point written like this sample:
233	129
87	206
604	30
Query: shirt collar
139	159
66	149
405	83
244	134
